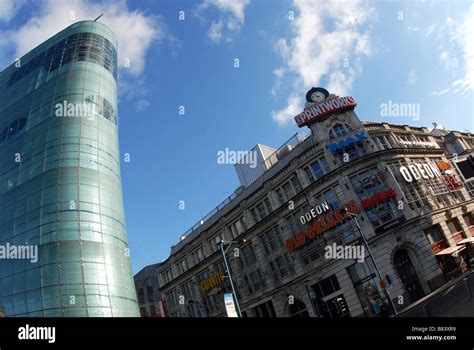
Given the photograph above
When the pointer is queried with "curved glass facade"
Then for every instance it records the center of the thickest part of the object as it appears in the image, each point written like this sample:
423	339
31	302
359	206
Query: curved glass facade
60	183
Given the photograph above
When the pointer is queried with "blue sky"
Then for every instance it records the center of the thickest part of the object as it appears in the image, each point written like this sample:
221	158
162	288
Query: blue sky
404	52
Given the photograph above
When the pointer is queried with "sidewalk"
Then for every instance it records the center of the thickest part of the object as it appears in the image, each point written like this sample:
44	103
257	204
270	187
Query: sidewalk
450	300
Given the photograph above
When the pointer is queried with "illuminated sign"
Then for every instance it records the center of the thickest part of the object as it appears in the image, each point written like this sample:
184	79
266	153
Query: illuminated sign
314	212
419	171
449	176
333	147
328	106
444	165
213	281
320	226
378	198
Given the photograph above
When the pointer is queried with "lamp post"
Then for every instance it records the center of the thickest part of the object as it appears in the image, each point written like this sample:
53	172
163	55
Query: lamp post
224	250
354	218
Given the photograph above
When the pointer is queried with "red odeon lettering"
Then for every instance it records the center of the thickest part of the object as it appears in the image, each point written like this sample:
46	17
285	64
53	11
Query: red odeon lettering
290	246
311	231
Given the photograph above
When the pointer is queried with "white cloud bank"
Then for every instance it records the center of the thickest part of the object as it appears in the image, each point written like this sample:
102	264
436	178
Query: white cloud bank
328	41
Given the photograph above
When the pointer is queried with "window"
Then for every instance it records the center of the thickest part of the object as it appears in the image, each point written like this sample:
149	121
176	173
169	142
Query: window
330	197
281	266
311	253
298	310
309	173
339	130
318	171
214	243
468	219
289	189
382	141
271	240
183	266
326	287
149	292
198	255
141	296
167	276
367	286
173	298
237	227
434	234
454	225
247	256
261	210
329	303
13	129
265	310
254	281
320	167
188	288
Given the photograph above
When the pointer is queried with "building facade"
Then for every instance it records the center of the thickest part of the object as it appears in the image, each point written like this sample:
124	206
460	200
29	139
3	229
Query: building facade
60	182
148	292
296	230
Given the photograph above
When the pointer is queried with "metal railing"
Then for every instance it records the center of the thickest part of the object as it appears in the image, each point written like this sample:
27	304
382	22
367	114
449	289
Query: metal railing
291	143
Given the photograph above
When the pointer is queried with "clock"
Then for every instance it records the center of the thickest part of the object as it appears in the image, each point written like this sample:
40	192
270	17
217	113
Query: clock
316	95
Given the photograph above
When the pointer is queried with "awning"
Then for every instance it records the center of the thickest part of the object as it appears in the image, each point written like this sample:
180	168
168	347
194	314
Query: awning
466	240
451	250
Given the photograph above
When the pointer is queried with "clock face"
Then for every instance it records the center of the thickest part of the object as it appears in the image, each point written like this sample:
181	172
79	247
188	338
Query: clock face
317	96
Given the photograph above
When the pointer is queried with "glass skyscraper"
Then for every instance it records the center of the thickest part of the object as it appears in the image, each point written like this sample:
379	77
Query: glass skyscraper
60	182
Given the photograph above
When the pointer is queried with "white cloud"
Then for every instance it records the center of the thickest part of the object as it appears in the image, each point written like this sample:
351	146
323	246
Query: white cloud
141	105
412	78
235	7
315	52
442	92
9	8
231	18
278	73
454	38
294	106
135	31
215	32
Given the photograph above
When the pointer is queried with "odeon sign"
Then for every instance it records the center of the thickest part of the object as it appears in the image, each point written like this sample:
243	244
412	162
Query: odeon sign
418	171
320	226
324	108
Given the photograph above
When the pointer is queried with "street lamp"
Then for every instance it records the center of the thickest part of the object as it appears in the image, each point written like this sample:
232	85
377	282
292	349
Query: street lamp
353	216
224	247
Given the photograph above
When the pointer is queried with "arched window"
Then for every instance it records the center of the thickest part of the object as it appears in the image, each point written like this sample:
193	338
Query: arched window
298	310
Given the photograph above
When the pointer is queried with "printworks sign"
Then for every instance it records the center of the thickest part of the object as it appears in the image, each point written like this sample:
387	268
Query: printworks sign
324	108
